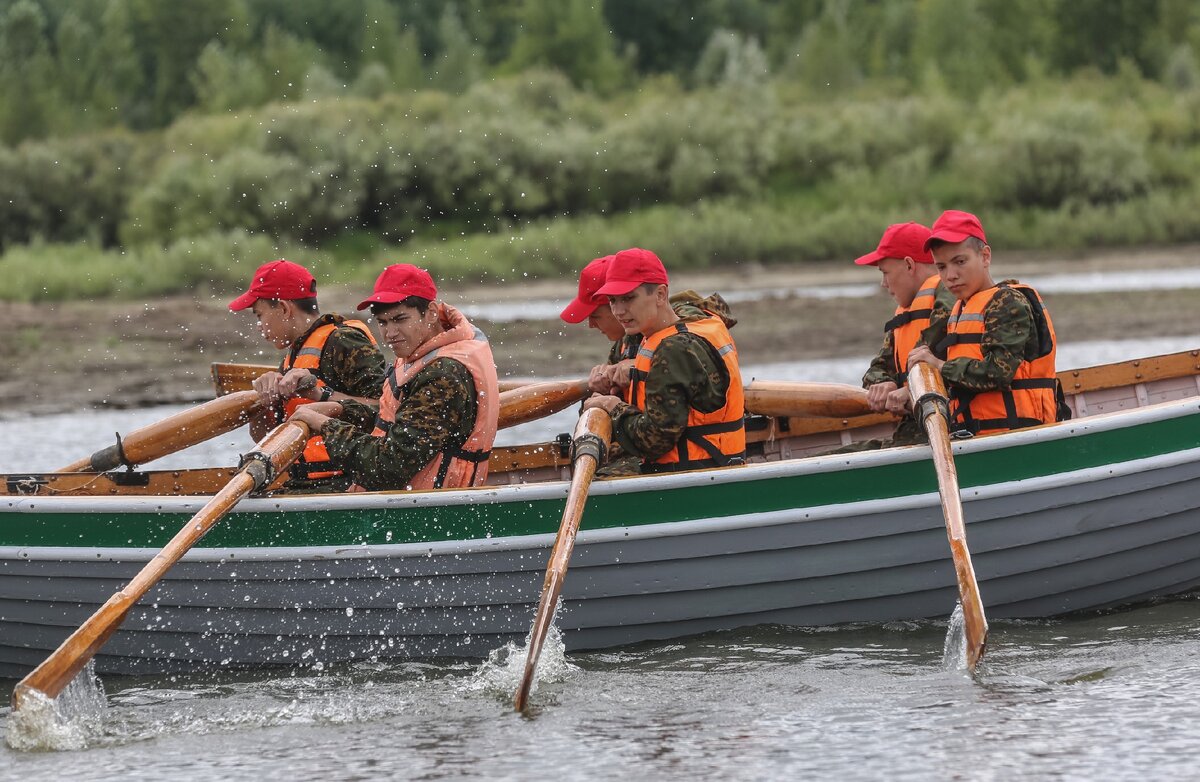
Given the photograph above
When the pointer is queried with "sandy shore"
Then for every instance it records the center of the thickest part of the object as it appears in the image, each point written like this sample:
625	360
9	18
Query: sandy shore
80	355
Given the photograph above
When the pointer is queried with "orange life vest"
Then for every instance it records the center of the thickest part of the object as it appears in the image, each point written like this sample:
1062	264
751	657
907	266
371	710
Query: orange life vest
910	321
314	463
468	465
1031	399
715	439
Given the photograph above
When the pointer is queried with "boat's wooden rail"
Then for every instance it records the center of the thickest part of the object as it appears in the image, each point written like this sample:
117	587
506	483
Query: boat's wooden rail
1090	391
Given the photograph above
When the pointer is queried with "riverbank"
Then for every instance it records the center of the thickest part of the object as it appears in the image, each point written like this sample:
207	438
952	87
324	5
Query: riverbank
132	354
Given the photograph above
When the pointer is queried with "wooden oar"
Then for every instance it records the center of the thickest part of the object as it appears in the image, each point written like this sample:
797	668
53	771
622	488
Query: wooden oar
173	433
782	399
228	378
930	405
537	400
775	398
276	451
591	441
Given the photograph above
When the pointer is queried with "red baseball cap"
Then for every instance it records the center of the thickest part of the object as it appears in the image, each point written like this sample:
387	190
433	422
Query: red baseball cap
591	279
954	227
398	282
277	280
631	268
902	240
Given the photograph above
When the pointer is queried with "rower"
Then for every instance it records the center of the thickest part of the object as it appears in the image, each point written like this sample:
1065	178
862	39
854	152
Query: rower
922	306
439	409
1000	342
683	406
328	358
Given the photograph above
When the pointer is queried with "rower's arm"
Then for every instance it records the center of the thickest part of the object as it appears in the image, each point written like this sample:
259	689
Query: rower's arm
437	413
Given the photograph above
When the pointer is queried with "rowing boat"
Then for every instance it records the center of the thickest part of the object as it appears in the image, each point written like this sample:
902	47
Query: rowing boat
1099	511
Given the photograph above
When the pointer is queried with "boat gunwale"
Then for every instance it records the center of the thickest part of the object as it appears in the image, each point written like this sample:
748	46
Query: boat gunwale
552	490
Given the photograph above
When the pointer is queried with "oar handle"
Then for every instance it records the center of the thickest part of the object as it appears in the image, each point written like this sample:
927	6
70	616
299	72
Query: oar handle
592	434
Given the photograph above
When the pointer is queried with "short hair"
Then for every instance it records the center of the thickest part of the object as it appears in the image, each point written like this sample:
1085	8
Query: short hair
649	287
308	305
974	242
419	303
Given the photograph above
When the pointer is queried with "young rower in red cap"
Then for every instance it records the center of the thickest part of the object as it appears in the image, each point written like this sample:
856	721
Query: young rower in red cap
328	357
922	306
1000	342
683	407
438	414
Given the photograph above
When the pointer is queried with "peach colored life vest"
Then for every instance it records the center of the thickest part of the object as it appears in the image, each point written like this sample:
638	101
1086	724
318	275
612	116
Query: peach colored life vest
464	343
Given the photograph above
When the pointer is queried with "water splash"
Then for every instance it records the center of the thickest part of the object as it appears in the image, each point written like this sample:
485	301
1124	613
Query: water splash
501	673
64	723
954	650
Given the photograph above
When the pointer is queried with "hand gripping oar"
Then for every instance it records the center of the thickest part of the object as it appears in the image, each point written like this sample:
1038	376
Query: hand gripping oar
173	433
929	404
591	441
276	451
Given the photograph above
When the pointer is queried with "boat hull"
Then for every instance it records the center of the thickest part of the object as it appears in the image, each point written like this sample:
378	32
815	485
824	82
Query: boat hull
1076	516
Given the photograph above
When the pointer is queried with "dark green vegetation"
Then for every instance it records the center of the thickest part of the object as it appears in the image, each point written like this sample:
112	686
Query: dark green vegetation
155	147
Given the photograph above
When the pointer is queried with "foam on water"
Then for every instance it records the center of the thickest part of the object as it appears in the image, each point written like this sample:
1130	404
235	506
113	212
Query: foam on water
68	722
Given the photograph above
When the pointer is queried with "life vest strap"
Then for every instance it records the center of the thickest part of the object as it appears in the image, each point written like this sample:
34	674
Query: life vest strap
475	457
904	318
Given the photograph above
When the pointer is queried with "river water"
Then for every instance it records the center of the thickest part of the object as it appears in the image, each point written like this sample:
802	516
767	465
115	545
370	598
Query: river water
1100	696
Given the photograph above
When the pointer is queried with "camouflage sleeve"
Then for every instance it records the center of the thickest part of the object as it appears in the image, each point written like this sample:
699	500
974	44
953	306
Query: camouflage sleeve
1007	327
360	415
935	332
624	348
437	413
350	363
883	366
684	373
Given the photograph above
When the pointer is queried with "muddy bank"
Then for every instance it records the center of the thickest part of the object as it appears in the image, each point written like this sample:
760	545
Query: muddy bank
131	354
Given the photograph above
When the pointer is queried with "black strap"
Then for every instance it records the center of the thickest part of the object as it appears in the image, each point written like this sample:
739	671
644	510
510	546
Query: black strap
1035	382
652	468
958	339
904	318
477	457
698	435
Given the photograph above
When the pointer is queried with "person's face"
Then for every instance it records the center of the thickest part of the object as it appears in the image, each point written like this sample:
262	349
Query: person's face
964	270
899	279
274	321
405	328
606	323
637	311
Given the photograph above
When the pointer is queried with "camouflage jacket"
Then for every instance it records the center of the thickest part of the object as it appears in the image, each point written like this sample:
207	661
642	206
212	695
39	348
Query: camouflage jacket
437	413
883	367
1009	337
350	363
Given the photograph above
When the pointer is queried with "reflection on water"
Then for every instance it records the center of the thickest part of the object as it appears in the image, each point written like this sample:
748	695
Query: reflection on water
49	442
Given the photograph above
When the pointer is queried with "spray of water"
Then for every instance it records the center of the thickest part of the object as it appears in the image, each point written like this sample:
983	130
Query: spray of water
501	673
954	650
67	722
